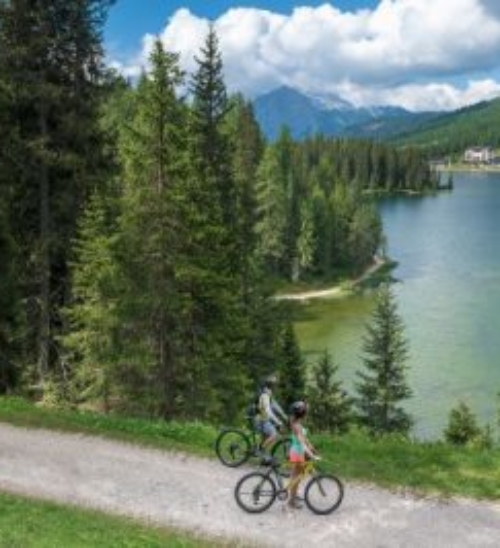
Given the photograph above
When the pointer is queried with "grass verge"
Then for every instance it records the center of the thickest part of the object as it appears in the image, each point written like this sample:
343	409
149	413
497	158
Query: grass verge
393	461
25	523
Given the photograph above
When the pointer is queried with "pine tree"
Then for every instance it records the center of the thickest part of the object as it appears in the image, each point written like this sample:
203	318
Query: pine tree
330	409
51	58
216	320
292	369
9	298
94	327
272	208
151	232
209	109
248	148
8	307
383	384
305	241
263	321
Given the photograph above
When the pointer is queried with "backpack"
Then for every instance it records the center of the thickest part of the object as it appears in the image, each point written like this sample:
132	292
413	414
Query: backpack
253	408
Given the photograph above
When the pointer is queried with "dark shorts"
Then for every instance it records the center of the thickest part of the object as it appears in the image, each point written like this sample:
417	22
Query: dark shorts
266	428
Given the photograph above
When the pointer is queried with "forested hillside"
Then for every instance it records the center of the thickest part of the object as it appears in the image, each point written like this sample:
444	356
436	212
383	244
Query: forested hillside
139	228
477	125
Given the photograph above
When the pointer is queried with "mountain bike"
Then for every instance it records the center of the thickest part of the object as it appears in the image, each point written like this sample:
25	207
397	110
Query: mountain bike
234	446
256	492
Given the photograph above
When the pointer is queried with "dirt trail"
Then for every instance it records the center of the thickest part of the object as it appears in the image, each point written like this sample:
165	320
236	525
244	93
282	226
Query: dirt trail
197	494
335	291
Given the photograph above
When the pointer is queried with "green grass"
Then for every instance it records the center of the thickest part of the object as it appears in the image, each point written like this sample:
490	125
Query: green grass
393	462
192	437
427	468
25	523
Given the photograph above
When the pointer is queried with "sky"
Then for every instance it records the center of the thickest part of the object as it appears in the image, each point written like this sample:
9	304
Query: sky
416	54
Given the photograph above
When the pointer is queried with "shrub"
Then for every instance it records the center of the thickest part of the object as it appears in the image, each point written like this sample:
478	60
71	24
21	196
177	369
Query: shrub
462	426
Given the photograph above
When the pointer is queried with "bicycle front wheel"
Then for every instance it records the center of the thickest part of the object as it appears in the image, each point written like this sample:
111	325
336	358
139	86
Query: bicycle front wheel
232	447
324	494
255	492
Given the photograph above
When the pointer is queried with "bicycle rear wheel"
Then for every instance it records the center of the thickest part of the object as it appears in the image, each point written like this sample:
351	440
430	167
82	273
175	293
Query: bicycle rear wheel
324	494
232	447
255	492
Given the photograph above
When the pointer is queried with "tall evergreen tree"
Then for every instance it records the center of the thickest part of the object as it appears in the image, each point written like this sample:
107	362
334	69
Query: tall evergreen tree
292	371
124	319
51	57
263	317
248	147
211	142
9	301
91	341
383	383
272	208
151	229
330	409
217	322
8	307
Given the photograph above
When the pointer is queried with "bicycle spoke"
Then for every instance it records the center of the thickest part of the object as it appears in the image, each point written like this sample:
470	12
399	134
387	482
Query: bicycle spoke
232	447
255	492
323	494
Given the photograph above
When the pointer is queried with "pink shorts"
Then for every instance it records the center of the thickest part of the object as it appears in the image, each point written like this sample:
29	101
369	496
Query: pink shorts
296	457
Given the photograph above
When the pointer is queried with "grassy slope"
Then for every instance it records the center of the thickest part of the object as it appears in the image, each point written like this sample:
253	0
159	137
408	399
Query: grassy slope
26	523
391	462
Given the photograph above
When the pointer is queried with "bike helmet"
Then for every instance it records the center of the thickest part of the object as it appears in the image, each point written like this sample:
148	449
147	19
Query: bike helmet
271	381
298	409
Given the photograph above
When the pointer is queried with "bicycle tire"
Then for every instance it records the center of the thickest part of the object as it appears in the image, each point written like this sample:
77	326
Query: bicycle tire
324	494
255	492
232	446
280	452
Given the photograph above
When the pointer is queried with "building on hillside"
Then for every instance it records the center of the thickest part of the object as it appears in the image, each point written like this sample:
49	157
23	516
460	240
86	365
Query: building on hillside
479	155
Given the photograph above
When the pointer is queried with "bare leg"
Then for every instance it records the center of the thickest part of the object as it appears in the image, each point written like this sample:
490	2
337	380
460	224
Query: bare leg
294	484
268	443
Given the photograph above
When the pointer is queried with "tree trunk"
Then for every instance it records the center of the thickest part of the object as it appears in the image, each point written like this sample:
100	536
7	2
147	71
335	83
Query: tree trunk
44	258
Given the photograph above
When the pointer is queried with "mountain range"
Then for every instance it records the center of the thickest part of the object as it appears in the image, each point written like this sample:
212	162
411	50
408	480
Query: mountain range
305	115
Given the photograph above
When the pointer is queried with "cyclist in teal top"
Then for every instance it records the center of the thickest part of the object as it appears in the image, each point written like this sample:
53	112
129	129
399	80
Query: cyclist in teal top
300	449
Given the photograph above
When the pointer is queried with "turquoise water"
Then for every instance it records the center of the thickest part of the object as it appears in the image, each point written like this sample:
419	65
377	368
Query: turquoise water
448	291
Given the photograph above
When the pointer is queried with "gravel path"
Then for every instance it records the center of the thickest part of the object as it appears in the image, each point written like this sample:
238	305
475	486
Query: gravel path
197	494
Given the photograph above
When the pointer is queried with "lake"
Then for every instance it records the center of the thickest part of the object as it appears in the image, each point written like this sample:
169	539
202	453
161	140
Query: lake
448	292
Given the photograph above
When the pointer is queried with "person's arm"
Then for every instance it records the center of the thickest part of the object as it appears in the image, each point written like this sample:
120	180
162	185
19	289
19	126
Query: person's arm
267	408
277	407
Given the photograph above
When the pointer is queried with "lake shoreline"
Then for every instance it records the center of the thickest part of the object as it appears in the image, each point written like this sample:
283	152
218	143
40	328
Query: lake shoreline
342	289
463	168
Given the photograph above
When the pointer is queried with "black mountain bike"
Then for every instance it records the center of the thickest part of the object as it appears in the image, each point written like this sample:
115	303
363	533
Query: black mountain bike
255	492
234	446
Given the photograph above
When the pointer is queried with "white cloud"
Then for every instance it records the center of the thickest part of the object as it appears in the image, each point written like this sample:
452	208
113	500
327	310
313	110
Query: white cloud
404	52
418	97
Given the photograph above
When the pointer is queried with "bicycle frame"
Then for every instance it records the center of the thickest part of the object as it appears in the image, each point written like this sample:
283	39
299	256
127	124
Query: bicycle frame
256	438
309	469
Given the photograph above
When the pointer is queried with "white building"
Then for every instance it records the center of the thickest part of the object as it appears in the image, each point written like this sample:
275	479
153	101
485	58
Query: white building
479	155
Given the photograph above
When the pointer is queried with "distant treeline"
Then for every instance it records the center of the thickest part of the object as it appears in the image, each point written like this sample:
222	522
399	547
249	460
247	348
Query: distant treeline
138	229
315	214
